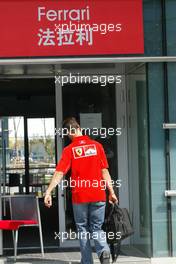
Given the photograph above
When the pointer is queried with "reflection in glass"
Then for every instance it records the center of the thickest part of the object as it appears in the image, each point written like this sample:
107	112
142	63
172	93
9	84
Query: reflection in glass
41	140
138	153
13	149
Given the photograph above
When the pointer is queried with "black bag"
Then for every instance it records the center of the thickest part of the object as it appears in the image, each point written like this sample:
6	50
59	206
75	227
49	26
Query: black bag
115	250
117	224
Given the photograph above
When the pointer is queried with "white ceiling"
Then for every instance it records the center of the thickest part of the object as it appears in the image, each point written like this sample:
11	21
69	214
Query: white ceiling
49	70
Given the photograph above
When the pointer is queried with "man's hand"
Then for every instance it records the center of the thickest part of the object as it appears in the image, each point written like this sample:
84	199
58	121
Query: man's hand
48	200
113	198
106	176
54	182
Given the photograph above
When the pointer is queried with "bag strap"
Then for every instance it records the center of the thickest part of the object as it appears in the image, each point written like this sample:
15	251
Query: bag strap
118	210
111	210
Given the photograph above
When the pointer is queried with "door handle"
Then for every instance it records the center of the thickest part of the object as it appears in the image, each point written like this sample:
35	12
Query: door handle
169	193
169	126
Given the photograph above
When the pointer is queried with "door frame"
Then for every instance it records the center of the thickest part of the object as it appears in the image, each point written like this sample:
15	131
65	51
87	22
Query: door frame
133	166
122	157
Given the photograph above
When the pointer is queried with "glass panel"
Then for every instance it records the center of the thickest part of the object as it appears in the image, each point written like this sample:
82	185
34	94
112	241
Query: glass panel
89	99
138	160
14	165
41	137
172	119
14	154
1	184
42	163
1	161
143	165
157	160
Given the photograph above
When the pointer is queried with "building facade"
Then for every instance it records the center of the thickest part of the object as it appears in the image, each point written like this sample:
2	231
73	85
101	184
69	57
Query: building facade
143	105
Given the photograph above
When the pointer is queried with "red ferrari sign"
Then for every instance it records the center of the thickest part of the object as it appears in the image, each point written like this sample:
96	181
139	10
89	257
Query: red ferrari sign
65	28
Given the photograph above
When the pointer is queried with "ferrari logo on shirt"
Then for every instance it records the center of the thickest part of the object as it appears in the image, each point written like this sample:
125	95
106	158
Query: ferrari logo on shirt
84	151
79	151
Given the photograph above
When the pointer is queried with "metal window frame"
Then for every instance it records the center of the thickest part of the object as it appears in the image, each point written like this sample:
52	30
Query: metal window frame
84	60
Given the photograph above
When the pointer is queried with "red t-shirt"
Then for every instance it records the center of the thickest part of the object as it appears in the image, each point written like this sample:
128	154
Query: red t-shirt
86	158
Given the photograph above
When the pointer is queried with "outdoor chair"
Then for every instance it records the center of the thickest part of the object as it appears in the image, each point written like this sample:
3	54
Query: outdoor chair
24	212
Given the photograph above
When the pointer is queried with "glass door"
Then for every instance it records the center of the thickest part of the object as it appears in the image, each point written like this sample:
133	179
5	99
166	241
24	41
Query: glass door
41	163
138	159
42	160
90	104
1	181
170	137
13	155
12	165
27	160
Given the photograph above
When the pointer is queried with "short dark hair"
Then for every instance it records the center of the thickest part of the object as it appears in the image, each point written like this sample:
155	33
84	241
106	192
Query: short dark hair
70	122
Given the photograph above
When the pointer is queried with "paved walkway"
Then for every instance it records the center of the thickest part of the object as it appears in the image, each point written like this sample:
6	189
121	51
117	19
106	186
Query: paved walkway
128	256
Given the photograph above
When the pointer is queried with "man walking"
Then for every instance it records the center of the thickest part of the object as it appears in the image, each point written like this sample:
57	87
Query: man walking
89	171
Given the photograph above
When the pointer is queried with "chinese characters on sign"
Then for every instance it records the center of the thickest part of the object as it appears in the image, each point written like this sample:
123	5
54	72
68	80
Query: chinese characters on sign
50	37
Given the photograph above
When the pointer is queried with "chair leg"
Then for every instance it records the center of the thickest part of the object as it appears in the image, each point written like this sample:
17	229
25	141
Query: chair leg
41	241
15	235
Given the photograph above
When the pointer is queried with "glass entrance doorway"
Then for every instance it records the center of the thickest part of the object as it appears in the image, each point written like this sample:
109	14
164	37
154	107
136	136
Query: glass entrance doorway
115	106
28	152
106	106
90	105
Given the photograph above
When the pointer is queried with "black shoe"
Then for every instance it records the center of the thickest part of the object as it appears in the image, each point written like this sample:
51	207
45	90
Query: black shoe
105	257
